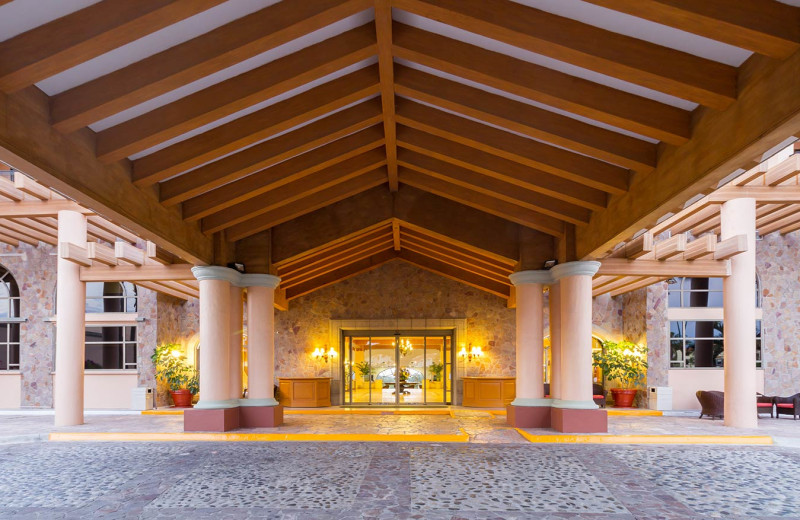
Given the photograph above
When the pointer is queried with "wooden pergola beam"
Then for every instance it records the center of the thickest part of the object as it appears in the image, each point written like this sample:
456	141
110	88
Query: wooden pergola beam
104	255
638	284
418	144
136	274
127	253
237	93
762	194
270	152
700	247
255	127
74	253
534	154
47	208
526	119
297	190
164	289
491	205
639	246
696	268
383	30
85	34
769	28
730	247
342	151
672	246
191	60
766	112
541	84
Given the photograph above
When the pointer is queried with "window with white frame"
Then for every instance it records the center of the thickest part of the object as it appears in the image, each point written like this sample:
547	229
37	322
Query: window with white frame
696	326
110	347
9	321
110	297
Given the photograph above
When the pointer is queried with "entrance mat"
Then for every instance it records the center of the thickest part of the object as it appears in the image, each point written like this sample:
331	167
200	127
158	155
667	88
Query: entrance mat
328	411
164	411
254	437
645	439
634	412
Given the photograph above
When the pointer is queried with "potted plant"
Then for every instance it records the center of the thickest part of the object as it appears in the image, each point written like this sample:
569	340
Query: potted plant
435	369
175	371
625	362
365	369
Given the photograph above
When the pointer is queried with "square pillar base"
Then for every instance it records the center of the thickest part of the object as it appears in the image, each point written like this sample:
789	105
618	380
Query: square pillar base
260	416
528	416
570	420
210	419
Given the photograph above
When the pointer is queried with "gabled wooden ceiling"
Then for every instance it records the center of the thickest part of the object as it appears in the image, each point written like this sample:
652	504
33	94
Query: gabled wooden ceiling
581	120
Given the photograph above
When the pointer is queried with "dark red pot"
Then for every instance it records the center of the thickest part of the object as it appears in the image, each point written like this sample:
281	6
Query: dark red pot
623	397
181	398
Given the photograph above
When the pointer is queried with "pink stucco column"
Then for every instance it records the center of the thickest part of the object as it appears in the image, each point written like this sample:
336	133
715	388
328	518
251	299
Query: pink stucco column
575	279
555	341
260	339
70	325
738	217
529	287
215	336
236	326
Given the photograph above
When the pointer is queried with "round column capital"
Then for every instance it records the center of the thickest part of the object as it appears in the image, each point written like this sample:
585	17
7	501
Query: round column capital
588	268
259	280
216	272
528	277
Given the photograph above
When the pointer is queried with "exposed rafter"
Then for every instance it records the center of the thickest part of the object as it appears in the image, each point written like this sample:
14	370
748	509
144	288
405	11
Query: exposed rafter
383	28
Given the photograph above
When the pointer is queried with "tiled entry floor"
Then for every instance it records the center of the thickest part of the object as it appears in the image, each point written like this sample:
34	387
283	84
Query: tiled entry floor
353	480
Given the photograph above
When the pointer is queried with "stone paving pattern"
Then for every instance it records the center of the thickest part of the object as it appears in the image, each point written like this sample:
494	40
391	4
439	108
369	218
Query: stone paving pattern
395	480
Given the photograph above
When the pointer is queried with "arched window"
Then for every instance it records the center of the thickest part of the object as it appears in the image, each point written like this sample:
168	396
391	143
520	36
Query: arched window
9	321
110	297
701	292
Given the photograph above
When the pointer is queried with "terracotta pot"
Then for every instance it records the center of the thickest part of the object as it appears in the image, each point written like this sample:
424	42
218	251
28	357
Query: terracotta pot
623	397
181	398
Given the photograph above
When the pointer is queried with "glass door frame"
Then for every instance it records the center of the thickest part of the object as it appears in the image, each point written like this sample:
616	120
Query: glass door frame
448	378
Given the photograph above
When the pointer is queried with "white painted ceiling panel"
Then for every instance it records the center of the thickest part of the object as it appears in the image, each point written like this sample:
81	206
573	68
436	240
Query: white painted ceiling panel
20	16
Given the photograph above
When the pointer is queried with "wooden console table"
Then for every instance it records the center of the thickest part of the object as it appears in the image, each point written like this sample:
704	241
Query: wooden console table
489	392
305	392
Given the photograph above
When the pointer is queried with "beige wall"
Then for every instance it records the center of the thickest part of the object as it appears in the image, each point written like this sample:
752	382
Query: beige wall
686	382
108	389
10	394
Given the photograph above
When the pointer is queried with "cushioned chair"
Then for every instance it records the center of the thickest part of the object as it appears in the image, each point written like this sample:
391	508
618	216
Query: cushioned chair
764	404
712	403
788	406
599	395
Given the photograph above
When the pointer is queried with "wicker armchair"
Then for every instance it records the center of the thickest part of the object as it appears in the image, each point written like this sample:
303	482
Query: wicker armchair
599	395
788	406
712	403
765	403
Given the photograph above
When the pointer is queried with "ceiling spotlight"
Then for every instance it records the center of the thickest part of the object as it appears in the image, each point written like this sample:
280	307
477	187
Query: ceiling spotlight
549	264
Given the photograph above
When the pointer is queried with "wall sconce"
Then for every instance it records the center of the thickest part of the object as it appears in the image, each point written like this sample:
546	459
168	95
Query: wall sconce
319	353
474	352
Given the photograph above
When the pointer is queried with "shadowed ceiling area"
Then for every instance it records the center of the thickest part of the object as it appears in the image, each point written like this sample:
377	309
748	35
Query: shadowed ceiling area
466	137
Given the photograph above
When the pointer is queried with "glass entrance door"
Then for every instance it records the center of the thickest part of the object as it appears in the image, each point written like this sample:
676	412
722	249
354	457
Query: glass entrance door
411	368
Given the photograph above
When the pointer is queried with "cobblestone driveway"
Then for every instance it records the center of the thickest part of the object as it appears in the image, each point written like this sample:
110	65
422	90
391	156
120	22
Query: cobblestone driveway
338	480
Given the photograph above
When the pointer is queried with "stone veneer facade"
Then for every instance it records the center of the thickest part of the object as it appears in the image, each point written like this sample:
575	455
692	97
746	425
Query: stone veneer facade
399	290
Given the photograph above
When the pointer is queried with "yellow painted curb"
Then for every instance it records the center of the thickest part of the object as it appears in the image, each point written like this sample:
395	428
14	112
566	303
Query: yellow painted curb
254	437
646	439
165	411
634	412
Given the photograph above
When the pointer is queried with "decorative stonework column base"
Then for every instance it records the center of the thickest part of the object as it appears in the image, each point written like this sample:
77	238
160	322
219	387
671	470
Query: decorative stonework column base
577	420
210	419
528	416
260	416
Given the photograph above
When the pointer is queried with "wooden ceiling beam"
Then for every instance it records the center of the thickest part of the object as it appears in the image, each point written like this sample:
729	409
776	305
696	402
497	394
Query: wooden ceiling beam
762	194
271	152
118	231
455	273
778	224
454	259
494	187
339	249
299	189
136	274
8	190
343	273
335	262
235	94
36	226
766	112
396	235
26	234
46	208
623	57
383	30
194	59
637	284
163	289
255	127
418	144
541	84
534	154
768	28
526	119
82	35
9	240
482	257
311	203
286	172
485	203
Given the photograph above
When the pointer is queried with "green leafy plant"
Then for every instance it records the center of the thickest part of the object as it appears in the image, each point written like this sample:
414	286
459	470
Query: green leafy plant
173	368
364	368
623	361
435	370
